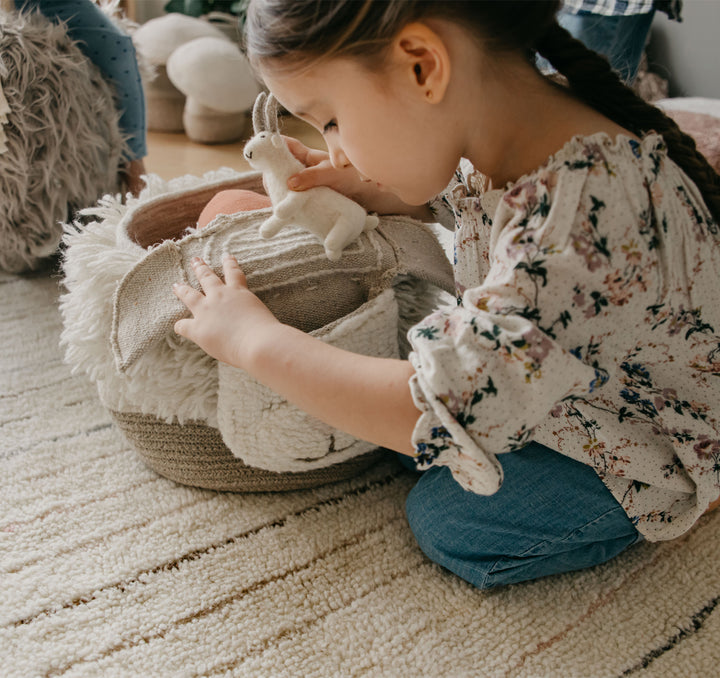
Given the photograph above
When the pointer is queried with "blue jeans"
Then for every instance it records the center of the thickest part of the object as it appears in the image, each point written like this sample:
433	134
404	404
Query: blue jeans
112	51
551	515
619	38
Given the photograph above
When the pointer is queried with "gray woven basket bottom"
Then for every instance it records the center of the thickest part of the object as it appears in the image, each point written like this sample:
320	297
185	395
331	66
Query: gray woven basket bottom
195	454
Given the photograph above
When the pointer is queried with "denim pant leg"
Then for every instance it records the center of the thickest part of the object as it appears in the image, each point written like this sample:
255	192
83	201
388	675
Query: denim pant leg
620	38
551	515
112	51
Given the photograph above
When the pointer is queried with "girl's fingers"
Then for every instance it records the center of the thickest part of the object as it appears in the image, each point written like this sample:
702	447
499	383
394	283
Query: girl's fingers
322	174
233	273
205	275
315	156
297	148
307	156
209	281
188	295
182	327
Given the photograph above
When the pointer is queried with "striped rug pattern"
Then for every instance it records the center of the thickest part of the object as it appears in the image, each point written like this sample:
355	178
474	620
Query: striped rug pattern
107	569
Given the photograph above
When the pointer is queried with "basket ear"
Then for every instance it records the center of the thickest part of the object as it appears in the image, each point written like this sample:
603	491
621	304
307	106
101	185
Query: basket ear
258	113
142	300
271	114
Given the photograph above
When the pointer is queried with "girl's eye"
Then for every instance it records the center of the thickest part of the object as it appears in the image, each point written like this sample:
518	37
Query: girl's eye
332	124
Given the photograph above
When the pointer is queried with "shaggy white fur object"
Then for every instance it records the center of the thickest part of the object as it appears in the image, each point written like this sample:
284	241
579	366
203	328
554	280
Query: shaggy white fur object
97	258
119	313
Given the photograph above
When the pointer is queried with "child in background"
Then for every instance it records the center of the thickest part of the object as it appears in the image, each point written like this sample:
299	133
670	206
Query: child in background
617	30
567	407
112	51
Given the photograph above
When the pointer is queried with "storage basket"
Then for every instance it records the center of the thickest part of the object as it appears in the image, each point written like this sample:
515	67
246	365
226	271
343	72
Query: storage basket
205	423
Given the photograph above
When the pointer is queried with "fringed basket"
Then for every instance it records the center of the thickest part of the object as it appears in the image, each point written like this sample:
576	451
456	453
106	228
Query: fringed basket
204	423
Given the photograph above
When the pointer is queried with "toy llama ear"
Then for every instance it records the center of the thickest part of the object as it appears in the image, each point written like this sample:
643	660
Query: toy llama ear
258	114
271	115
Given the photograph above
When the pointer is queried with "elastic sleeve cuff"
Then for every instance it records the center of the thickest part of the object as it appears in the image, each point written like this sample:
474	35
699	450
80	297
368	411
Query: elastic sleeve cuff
440	441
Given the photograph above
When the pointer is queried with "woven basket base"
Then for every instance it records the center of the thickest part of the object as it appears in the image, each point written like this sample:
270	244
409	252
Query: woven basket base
195	454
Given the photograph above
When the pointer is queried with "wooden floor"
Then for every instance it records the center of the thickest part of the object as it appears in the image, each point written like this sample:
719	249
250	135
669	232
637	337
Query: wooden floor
172	155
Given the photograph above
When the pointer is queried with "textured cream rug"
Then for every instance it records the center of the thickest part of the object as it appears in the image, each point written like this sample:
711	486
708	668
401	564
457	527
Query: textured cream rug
107	569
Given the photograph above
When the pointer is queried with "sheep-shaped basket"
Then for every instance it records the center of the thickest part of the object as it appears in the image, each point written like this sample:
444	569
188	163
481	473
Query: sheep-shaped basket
336	219
201	422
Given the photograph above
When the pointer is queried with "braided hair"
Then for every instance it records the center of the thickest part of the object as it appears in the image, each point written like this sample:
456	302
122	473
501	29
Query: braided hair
593	81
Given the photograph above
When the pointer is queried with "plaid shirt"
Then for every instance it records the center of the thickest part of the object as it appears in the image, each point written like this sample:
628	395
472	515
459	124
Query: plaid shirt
623	7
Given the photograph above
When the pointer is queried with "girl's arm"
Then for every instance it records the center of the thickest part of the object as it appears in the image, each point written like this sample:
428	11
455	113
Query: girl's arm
320	172
366	397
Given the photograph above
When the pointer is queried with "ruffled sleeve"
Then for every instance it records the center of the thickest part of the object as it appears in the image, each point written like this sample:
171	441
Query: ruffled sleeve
469	415
490	370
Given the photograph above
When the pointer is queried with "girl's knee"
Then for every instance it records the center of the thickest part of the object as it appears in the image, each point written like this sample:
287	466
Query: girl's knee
495	541
435	514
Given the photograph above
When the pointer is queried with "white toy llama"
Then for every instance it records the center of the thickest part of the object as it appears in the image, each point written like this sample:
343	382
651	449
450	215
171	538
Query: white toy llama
336	219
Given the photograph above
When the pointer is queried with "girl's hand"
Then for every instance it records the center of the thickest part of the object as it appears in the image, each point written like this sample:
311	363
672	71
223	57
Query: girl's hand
228	321
131	177
231	324
320	172
347	180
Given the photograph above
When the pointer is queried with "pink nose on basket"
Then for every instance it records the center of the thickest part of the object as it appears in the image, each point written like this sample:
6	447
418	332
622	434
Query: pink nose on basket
232	201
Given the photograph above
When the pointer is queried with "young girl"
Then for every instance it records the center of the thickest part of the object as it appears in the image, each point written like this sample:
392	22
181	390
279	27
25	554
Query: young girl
568	406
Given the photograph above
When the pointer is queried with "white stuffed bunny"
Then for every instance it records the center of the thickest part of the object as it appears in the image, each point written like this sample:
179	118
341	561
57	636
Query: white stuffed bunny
336	219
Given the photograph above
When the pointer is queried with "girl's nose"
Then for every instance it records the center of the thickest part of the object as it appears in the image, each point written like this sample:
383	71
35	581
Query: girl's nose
338	157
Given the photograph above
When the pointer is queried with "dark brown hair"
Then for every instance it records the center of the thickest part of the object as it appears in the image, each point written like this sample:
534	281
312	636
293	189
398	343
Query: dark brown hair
302	32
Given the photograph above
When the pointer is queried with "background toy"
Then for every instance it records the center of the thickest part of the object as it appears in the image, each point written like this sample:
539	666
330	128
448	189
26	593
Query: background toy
63	147
202	83
220	88
156	40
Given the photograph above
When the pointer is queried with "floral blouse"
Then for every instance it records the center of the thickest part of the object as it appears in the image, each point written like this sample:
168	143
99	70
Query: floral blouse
587	320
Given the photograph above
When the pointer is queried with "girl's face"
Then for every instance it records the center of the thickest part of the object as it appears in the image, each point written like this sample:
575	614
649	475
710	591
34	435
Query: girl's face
374	121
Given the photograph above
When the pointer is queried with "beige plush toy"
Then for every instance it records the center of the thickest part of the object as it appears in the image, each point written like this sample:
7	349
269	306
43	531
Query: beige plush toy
155	41
203	84
336	219
219	86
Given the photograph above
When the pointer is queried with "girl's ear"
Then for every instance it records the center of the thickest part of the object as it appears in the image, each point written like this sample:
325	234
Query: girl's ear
424	59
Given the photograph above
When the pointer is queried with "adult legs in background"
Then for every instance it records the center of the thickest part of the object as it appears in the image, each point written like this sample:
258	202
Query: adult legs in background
551	515
620	38
112	51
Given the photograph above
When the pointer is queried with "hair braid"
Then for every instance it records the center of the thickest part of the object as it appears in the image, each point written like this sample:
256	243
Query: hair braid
591	78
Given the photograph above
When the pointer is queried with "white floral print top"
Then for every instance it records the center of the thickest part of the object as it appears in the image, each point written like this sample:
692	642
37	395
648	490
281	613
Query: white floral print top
588	320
